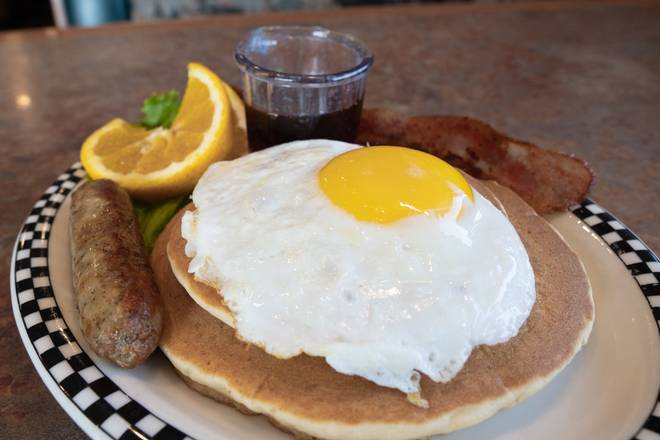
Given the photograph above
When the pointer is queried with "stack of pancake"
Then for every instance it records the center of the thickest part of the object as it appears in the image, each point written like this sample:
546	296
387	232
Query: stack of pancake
307	397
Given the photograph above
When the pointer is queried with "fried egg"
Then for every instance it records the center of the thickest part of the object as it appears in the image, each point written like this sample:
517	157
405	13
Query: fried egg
383	260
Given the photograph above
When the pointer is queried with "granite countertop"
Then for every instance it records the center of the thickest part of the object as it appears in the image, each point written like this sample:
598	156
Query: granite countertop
581	78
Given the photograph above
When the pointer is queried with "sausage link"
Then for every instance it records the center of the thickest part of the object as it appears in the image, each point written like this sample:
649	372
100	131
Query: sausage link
116	295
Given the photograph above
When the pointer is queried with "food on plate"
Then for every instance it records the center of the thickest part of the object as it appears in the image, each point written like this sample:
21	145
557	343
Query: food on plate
153	217
160	109
397	335
547	180
115	293
348	248
160	163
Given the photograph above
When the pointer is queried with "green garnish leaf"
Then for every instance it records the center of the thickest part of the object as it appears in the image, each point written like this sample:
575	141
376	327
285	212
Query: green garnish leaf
160	109
141	211
153	218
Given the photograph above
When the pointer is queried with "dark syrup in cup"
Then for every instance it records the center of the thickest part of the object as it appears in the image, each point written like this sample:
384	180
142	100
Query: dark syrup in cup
302	83
268	129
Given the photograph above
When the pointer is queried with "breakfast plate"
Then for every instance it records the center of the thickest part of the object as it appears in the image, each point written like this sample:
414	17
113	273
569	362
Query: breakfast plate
610	390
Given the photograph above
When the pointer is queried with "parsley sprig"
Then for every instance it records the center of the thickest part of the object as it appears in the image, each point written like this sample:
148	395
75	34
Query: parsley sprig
160	109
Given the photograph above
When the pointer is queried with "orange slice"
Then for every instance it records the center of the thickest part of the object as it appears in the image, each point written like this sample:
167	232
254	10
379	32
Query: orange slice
165	162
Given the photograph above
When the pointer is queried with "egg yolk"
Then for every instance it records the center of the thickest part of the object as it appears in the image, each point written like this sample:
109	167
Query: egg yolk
385	184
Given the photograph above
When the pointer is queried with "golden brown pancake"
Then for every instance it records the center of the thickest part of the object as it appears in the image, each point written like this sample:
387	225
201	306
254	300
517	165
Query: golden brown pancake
306	396
207	297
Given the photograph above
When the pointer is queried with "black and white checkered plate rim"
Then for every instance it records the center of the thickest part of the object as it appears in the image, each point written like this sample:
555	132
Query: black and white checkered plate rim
112	410
98	398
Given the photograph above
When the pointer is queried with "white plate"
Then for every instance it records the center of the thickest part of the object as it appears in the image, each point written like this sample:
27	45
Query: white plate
609	391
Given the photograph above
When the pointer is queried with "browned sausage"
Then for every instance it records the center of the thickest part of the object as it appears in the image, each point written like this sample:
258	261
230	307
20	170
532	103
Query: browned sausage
117	298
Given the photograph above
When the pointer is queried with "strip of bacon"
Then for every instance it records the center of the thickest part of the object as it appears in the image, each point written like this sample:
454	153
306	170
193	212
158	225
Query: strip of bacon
549	181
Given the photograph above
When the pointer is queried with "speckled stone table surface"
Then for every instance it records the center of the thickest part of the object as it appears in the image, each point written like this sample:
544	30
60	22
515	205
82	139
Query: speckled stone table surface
581	78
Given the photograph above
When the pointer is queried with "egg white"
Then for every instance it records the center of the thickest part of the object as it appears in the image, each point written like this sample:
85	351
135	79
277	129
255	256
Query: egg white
382	301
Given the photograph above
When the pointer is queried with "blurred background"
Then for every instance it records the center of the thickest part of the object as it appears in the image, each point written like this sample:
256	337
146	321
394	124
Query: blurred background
19	14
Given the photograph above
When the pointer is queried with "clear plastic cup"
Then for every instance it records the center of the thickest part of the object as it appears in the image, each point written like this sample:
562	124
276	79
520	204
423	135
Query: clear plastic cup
302	83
